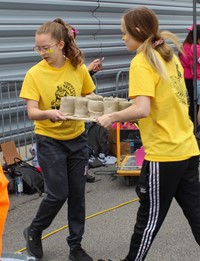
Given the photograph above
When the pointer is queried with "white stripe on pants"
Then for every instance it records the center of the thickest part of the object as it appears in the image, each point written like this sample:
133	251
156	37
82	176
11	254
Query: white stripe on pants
153	212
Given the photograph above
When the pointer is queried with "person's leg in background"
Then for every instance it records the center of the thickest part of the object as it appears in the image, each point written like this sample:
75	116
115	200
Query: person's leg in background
4	204
198	103
190	89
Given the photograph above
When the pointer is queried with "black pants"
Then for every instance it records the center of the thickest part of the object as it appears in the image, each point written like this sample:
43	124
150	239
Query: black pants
64	165
159	182
190	88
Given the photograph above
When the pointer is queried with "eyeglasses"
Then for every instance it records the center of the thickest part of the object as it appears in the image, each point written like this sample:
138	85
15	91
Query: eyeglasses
46	49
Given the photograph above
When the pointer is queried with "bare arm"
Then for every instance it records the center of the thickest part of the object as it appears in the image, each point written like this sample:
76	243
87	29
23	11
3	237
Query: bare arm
35	113
140	109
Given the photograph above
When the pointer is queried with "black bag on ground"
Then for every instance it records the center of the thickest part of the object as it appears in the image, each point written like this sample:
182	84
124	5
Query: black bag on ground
11	184
97	139
33	180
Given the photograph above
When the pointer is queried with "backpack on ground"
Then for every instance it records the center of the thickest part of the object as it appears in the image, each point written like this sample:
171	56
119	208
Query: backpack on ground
32	178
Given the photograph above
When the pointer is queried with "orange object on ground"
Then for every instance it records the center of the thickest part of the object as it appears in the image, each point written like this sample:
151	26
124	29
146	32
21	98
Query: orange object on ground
4	204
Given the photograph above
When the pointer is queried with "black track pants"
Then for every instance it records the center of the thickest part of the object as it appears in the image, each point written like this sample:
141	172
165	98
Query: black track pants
159	182
64	165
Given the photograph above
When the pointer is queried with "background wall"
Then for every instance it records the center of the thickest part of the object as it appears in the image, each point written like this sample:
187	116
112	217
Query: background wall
98	22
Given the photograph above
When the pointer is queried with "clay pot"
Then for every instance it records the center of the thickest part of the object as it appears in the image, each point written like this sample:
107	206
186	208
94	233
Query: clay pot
81	107
95	108
110	105
67	105
94	97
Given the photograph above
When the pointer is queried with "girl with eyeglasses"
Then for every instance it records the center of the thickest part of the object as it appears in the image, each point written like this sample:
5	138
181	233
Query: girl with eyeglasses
61	145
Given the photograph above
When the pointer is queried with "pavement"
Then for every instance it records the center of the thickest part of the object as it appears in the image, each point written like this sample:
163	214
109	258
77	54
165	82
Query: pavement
111	208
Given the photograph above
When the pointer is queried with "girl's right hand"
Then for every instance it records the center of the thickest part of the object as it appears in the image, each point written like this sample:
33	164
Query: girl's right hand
55	115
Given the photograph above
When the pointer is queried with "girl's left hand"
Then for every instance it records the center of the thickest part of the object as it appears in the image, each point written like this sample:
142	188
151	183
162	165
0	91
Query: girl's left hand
105	121
95	65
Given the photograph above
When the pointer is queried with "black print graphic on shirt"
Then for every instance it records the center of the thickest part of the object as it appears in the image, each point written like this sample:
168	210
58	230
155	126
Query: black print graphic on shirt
62	90
179	74
178	89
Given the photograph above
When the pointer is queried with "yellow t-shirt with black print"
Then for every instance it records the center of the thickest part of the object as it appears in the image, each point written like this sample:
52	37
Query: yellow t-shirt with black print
46	85
167	132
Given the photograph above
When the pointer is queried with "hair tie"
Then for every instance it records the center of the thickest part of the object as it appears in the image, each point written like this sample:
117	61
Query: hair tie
75	31
158	42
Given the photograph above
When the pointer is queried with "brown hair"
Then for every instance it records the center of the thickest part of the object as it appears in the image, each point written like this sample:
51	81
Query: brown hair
59	30
189	38
142	24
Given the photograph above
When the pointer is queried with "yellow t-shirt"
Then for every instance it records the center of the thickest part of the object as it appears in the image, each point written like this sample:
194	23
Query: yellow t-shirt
46	84
167	132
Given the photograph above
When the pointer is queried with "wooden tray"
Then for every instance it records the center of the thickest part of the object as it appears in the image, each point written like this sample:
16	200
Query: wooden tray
74	118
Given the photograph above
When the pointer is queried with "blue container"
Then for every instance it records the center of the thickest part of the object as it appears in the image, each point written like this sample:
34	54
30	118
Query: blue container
132	147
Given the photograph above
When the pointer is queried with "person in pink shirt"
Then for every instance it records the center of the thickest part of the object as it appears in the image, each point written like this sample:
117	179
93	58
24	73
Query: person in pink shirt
185	60
191	57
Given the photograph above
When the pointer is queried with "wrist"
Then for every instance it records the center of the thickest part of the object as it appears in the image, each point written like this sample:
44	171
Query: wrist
113	117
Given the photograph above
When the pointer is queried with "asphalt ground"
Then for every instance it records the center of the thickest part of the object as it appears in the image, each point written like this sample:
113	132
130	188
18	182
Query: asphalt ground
111	208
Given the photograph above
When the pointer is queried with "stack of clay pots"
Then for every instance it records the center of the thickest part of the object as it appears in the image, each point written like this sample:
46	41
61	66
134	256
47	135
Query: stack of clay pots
92	106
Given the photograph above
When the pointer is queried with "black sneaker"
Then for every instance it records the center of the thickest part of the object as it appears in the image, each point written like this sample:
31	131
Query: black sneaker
78	254
33	243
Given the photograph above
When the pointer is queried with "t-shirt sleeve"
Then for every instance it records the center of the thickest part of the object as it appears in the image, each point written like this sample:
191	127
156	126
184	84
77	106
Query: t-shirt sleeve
29	90
141	81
